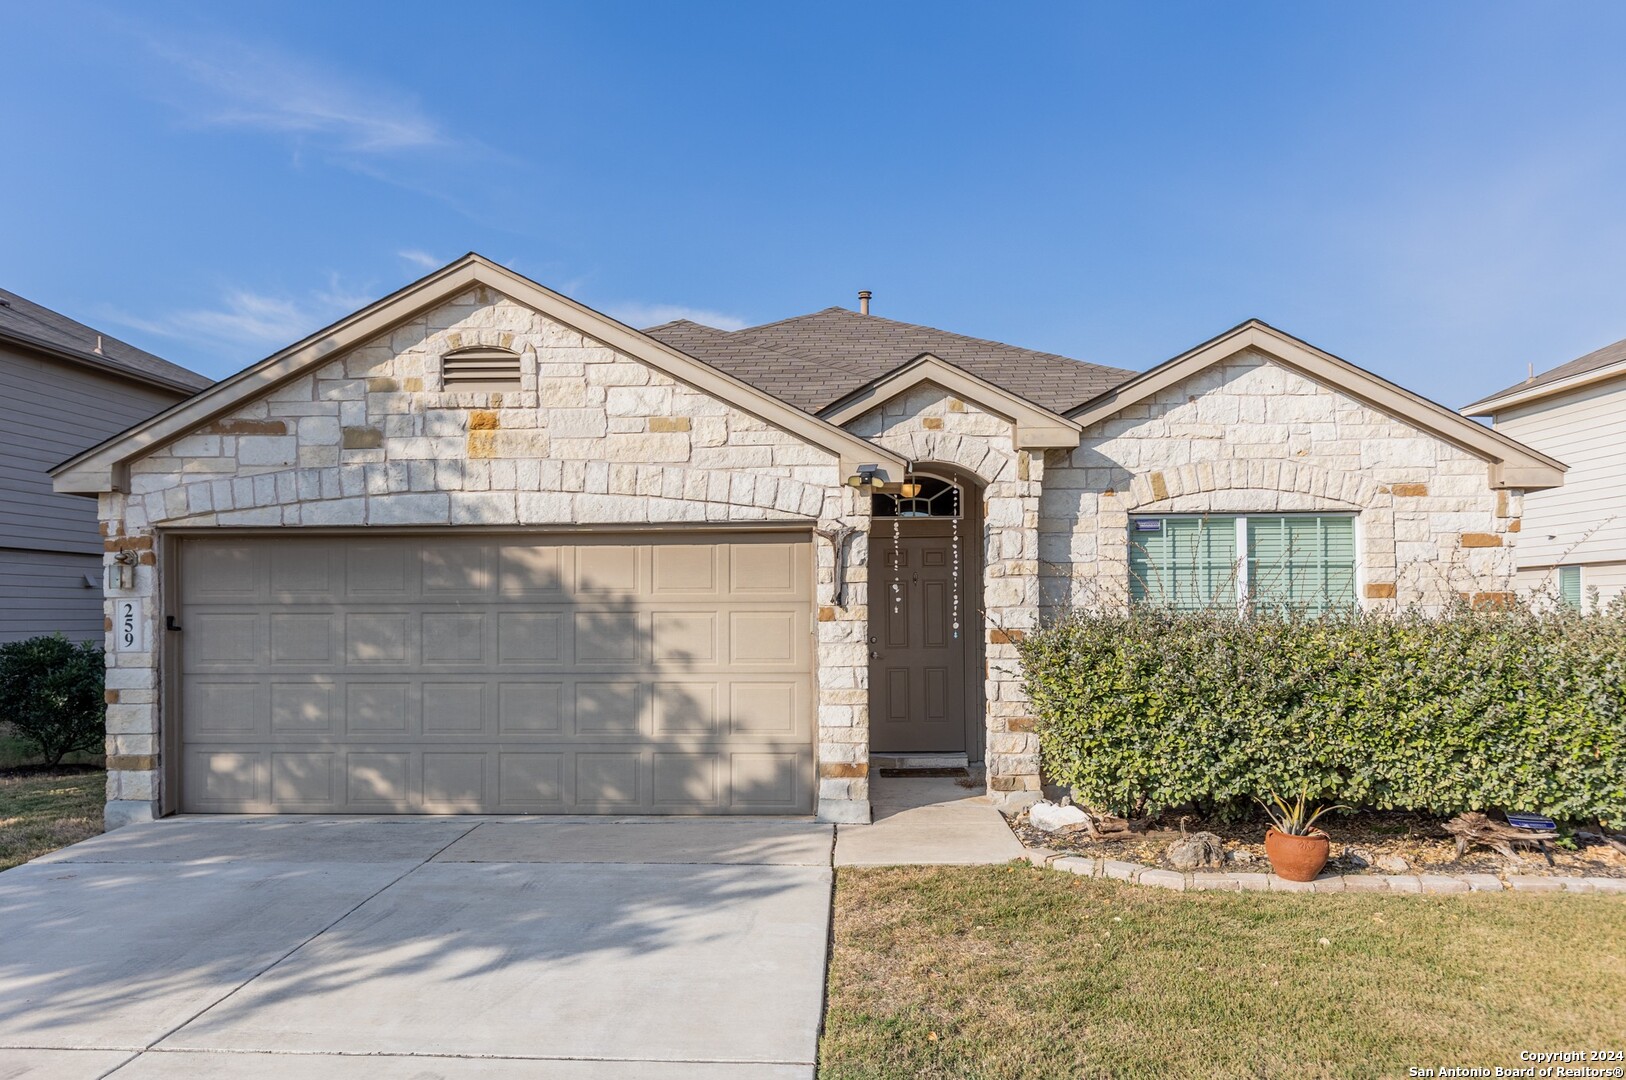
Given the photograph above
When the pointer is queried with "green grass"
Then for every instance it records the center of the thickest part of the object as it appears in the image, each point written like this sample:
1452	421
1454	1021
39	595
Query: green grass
1014	973
40	812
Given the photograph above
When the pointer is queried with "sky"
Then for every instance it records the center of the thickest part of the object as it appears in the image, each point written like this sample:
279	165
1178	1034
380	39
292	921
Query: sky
1431	191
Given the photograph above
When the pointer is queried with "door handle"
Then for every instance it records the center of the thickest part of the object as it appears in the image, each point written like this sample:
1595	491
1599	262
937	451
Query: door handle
873	655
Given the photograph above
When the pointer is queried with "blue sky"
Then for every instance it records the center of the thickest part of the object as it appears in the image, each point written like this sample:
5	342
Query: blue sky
1433	191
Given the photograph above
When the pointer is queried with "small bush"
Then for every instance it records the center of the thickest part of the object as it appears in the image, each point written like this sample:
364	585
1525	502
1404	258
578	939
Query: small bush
51	693
1440	713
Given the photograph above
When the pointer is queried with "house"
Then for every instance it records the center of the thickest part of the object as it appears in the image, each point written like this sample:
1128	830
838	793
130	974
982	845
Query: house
478	548
1573	542
63	387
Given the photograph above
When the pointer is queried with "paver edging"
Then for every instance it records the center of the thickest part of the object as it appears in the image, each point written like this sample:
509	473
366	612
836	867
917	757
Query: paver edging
1239	881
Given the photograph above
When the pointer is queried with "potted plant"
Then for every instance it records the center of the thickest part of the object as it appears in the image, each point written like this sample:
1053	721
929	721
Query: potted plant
1297	850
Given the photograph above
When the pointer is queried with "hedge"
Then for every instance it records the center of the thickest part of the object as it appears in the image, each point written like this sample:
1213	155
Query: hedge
1469	710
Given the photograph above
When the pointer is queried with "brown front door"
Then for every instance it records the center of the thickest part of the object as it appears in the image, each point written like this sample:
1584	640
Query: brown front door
918	666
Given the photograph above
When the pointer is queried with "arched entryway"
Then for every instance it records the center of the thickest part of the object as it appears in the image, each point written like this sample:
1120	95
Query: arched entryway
925	616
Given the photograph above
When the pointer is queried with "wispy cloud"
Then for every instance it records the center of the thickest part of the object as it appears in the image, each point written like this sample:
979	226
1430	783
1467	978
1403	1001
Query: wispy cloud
245	319
421	258
258	88
640	315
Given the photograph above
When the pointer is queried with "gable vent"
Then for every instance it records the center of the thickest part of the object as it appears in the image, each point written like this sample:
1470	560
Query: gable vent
479	369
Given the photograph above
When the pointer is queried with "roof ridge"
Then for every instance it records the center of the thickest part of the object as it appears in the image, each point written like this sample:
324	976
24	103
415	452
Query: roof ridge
938	330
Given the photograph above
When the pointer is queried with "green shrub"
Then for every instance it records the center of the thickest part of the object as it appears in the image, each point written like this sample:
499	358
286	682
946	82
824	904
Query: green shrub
51	693
1464	711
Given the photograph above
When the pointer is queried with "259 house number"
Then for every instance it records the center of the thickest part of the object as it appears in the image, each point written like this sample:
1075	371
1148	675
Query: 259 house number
129	628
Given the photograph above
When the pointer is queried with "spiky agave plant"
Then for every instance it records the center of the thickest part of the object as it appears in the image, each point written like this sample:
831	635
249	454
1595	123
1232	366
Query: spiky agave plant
1295	818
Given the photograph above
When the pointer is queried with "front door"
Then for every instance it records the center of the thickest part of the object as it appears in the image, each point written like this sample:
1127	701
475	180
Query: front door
918	663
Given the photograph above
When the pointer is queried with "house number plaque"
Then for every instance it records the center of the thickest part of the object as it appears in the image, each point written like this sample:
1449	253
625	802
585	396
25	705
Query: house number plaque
129	628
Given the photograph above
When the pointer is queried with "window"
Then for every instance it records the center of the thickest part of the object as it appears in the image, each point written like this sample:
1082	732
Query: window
1299	562
479	369
1569	586
934	498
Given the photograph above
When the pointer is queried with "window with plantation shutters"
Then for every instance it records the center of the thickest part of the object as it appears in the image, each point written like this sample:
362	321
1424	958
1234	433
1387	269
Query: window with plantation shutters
1569	586
479	369
1185	563
1297	562
1302	562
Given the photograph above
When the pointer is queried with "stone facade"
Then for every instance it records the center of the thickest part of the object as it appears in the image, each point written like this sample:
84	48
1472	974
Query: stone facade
592	436
928	426
1251	435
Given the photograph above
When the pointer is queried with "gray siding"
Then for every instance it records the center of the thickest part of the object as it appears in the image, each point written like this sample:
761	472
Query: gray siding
45	593
50	410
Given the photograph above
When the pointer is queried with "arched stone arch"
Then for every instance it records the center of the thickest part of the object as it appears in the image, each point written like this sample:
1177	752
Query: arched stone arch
979	456
1328	489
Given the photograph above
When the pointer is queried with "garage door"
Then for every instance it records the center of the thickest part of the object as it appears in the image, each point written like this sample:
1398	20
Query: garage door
445	674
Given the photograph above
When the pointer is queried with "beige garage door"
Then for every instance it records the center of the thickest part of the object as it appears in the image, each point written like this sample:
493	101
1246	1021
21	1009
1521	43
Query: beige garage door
513	674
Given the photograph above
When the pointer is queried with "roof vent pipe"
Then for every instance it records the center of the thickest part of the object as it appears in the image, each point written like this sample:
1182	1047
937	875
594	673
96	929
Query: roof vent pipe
863	302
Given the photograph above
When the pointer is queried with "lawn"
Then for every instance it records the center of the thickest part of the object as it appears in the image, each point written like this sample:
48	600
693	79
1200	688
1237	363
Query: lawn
1010	973
43	810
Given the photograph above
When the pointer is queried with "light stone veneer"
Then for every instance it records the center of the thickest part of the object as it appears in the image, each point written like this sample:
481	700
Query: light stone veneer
596	437
929	426
592	437
1251	436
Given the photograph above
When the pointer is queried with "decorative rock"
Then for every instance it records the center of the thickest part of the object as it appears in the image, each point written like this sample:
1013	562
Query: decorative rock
1239	856
1391	864
1197	851
1049	817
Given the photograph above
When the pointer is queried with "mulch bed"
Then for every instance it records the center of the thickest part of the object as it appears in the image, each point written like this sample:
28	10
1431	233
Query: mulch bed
1362	843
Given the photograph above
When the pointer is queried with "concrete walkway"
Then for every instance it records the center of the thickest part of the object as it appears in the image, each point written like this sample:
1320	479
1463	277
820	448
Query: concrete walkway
927	821
424	948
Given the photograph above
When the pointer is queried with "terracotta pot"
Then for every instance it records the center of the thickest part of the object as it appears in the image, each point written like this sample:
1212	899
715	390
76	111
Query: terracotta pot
1296	858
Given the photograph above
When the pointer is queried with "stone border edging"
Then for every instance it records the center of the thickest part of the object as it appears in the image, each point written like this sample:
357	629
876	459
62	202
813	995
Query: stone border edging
1231	881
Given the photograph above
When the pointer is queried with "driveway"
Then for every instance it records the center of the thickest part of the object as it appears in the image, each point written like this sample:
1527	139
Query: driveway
240	949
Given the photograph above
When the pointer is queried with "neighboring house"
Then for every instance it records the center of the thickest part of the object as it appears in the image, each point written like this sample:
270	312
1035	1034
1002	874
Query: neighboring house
478	548
63	387
1574	538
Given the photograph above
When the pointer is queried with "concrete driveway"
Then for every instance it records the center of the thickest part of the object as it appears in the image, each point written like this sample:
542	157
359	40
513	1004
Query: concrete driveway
240	949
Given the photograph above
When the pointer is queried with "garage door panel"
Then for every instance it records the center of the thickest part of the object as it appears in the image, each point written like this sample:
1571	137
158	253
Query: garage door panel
497	675
375	571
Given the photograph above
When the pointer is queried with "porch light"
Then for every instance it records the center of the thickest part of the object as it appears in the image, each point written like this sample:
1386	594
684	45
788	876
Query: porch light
909	489
866	476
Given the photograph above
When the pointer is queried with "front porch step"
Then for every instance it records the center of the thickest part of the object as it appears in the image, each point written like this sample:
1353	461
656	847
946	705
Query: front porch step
912	762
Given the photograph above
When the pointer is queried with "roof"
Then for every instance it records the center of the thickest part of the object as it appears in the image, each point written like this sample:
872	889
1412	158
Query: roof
104	467
24	322
1600	363
1512	464
818	359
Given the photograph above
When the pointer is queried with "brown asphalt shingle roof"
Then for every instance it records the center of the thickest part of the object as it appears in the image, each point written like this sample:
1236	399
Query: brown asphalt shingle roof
1592	361
812	361
28	323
